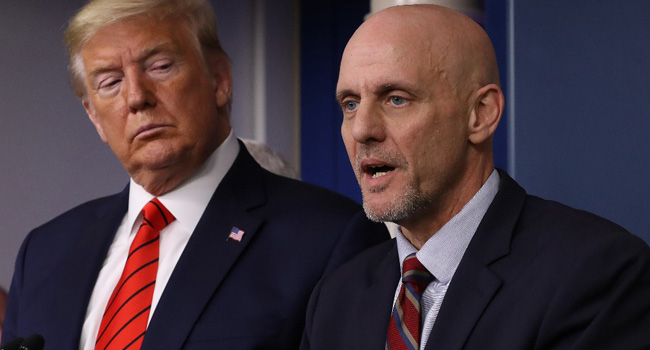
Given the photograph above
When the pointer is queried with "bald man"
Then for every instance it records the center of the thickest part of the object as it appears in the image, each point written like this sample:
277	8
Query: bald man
476	262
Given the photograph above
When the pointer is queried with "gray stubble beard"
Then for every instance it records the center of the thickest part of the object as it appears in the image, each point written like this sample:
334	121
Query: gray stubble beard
410	202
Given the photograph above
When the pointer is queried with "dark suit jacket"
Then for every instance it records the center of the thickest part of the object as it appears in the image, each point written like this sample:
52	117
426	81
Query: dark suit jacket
222	294
536	275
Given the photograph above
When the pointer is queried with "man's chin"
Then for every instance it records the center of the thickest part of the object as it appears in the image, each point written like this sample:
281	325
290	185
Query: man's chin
150	167
158	156
377	210
385	206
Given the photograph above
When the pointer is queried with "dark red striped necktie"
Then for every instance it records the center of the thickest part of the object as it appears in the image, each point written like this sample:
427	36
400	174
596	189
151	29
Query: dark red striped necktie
125	320
405	327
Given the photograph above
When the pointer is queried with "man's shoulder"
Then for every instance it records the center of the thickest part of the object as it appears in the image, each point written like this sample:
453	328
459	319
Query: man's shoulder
87	211
285	191
568	223
555	238
67	230
328	217
308	196
540	220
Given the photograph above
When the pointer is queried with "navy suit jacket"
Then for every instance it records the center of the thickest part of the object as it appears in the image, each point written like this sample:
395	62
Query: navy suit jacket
222	294
536	275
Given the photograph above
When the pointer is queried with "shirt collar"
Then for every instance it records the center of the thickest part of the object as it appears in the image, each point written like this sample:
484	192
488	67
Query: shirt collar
188	201
442	253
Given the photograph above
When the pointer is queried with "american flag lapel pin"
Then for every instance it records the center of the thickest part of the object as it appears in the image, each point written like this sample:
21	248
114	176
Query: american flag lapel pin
236	234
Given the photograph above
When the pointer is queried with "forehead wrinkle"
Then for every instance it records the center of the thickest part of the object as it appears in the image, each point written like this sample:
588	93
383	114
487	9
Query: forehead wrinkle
408	55
140	52
111	61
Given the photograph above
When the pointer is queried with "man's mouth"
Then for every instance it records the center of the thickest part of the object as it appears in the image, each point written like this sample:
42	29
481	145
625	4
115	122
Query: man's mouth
377	171
376	168
148	130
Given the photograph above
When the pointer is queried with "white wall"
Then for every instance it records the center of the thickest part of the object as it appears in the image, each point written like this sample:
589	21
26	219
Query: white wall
51	156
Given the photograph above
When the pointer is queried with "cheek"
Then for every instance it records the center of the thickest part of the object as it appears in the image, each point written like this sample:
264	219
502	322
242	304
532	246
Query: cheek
111	111
110	129
422	147
195	101
415	140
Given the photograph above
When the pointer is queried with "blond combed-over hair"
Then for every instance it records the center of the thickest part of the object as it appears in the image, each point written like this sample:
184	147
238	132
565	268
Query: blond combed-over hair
100	13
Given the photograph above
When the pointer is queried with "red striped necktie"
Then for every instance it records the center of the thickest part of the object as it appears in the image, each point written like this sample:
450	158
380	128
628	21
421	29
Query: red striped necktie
405	324
125	320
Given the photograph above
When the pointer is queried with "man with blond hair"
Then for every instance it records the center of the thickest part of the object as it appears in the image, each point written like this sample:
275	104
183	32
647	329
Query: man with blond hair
203	249
476	262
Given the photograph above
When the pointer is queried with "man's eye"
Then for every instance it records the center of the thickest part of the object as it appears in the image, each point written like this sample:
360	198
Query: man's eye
161	65
350	105
108	83
397	100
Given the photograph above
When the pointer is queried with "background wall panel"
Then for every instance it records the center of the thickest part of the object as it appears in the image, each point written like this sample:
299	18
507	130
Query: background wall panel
582	73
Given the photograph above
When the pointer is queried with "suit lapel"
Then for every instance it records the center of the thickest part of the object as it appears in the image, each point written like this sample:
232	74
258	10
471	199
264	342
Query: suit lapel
375	304
474	284
209	254
470	292
77	276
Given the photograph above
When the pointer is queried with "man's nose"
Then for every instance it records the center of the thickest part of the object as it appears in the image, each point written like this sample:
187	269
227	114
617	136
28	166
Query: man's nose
368	124
140	92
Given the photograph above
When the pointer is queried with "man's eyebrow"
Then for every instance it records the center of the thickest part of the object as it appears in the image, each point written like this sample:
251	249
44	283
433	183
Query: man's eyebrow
380	90
340	95
392	86
161	46
103	68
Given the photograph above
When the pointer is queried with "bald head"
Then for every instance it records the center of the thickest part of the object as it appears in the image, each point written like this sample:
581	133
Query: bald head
442	40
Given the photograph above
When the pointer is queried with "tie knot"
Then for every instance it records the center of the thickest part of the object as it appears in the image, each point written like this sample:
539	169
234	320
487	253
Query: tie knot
156	215
414	273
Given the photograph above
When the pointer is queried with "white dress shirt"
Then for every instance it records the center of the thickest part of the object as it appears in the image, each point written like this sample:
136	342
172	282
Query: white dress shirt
442	253
187	202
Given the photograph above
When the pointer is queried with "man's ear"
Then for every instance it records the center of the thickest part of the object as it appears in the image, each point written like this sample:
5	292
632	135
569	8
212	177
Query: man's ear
92	115
486	113
219	66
